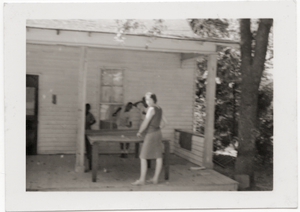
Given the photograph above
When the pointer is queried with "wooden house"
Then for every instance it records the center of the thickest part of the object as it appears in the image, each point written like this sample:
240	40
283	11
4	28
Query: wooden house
73	62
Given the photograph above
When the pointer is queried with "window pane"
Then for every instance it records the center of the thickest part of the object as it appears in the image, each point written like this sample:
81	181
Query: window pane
105	112
107	77
117	78
106	94
117	94
107	119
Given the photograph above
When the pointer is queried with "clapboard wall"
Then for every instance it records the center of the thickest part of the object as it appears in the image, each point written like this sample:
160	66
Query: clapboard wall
195	155
158	72
57	67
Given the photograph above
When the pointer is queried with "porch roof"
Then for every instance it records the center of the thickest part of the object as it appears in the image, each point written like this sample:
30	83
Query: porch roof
178	29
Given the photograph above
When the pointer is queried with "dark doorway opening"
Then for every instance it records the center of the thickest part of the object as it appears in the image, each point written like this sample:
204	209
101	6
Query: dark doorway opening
32	84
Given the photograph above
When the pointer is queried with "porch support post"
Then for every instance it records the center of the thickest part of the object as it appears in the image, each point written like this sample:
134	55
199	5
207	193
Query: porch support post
80	145
210	110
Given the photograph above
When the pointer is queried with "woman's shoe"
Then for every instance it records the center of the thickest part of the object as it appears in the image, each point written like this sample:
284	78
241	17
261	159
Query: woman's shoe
151	181
138	183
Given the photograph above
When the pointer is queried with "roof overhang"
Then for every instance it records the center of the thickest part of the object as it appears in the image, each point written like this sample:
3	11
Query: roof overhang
106	40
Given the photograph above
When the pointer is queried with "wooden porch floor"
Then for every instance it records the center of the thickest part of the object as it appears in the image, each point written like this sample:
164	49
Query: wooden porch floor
56	173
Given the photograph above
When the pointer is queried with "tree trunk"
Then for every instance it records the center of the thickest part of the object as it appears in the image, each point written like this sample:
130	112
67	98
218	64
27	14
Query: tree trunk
251	69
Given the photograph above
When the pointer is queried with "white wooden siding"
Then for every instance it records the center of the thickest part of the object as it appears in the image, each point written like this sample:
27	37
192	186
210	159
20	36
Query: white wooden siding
196	154
57	67
158	72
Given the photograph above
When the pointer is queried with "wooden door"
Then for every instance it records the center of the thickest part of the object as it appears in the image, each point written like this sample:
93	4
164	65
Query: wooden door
32	84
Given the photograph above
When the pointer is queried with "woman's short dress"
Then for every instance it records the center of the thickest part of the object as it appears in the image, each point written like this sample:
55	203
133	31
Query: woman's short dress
152	146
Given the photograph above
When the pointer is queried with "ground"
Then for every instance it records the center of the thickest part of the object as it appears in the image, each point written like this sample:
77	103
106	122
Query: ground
263	174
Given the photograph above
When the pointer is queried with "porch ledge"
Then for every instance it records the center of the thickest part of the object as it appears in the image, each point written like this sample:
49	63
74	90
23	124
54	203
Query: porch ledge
190	131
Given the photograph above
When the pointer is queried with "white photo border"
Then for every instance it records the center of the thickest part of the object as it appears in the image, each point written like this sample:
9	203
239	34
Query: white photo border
284	194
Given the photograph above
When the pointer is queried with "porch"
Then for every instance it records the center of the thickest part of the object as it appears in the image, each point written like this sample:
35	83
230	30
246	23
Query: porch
56	173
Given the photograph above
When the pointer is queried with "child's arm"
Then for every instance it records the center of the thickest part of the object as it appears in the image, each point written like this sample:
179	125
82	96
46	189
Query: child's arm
115	113
128	121
135	104
93	120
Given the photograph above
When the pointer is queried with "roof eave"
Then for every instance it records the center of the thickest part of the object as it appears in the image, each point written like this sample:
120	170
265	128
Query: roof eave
184	38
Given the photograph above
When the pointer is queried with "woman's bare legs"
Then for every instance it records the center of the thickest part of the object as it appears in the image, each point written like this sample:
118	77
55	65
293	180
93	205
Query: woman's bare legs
143	170
154	180
142	179
158	167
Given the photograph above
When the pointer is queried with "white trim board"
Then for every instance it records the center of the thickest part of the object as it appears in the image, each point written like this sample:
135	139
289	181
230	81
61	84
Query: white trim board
105	40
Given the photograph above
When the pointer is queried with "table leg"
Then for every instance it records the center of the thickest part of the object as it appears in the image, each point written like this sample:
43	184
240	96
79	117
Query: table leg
95	154
137	147
166	158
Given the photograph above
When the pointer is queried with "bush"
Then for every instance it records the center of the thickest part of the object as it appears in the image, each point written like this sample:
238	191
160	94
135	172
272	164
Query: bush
264	141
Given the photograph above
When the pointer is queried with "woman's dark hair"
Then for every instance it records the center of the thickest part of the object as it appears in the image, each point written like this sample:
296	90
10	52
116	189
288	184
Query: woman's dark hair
152	96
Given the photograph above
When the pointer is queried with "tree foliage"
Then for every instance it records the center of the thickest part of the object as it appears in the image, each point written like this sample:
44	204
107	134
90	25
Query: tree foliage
216	28
210	28
126	26
227	102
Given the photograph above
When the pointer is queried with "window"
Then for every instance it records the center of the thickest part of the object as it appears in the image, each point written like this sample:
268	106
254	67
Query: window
111	97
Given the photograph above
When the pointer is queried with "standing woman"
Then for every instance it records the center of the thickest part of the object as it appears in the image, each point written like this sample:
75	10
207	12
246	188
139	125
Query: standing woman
152	145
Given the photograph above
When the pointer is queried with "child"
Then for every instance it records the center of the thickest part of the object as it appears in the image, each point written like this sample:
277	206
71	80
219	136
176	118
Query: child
89	121
89	118
124	122
152	145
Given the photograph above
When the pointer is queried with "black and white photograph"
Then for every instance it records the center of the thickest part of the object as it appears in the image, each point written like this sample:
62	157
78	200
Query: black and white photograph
148	105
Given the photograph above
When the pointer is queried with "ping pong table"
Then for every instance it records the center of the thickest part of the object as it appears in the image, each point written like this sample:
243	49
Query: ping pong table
118	136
